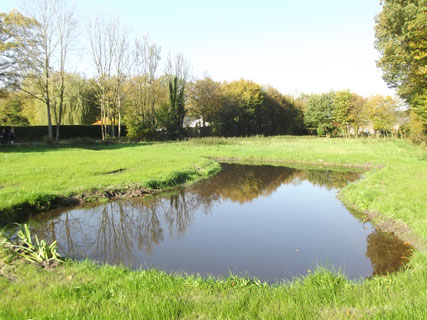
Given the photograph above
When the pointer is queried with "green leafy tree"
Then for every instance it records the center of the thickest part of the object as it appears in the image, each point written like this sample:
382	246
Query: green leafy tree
16	34
204	99
342	107
176	111
242	104
402	42
143	92
357	116
177	73
382	112
11	107
319	112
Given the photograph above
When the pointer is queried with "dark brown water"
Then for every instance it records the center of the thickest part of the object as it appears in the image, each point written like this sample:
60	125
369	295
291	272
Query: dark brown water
267	222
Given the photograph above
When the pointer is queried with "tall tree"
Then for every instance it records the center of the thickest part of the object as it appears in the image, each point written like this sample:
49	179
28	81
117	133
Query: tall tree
178	71
204	99
382	113
144	89
121	67
109	48
16	34
66	30
319	111
342	110
11	109
402	42
46	53
101	49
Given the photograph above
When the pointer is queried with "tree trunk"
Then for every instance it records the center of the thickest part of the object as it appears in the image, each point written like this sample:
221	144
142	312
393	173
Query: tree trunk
119	105
49	118
61	104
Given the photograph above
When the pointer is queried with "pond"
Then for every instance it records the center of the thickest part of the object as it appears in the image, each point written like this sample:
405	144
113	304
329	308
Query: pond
268	222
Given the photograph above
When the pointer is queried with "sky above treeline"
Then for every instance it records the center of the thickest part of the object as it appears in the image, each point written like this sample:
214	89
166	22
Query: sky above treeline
305	46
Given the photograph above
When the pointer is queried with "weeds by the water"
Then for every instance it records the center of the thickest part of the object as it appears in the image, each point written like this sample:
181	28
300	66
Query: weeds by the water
30	248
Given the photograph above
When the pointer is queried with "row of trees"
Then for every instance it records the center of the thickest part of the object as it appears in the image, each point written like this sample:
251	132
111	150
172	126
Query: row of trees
34	52
129	86
345	113
228	109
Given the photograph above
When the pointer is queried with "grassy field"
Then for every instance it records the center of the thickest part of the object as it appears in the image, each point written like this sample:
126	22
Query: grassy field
34	177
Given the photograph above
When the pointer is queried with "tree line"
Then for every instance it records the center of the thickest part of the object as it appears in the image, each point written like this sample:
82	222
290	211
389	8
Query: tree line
134	85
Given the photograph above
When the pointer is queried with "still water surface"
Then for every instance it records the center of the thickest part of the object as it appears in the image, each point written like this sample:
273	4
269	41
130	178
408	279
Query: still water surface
267	222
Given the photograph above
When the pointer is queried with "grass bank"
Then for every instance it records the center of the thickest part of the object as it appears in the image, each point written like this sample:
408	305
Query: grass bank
394	188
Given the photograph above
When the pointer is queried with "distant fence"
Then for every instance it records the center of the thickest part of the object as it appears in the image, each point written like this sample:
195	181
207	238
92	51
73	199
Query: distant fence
37	133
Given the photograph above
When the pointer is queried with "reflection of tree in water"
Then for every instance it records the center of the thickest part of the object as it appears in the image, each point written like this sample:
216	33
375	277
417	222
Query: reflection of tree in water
115	233
179	213
148	228
386	252
47	227
328	178
243	183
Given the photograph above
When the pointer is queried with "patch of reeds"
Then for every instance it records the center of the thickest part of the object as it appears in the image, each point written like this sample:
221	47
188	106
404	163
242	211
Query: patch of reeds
31	248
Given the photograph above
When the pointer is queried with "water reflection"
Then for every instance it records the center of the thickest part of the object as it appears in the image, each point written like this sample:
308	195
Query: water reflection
387	252
236	220
244	183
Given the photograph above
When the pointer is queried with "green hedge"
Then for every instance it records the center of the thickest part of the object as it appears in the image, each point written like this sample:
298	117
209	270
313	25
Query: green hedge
36	133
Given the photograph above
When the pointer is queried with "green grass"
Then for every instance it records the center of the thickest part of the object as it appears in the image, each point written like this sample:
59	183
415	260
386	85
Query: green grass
86	291
394	187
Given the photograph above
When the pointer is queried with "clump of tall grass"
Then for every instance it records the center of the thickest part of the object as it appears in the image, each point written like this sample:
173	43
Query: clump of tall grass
209	141
28	247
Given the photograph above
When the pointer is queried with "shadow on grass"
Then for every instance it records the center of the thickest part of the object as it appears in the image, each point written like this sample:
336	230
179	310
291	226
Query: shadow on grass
43	147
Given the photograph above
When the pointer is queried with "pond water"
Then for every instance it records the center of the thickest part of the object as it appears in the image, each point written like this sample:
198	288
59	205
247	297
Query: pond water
268	222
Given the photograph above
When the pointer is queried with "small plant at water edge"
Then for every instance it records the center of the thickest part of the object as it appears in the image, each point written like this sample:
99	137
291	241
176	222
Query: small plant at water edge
30	248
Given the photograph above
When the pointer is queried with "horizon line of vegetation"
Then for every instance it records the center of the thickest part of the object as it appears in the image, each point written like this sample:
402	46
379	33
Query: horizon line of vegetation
128	88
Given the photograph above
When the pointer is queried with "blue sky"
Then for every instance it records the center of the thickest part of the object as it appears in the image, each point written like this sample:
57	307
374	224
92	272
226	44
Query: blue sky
296	46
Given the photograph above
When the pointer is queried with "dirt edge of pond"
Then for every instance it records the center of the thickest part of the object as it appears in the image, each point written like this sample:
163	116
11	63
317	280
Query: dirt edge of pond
389	225
316	164
25	210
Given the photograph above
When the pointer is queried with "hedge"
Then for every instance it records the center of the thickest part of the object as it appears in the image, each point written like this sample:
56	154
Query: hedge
37	133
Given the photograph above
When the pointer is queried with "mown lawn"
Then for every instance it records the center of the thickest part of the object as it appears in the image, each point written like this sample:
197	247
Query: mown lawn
394	187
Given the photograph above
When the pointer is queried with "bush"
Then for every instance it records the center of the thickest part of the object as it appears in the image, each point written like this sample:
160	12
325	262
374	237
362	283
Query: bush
320	131
417	129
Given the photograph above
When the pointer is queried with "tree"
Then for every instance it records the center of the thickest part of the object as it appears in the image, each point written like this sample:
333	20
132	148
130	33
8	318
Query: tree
319	111
122	65
16	34
66	31
342	107
205	95
357	117
109	48
241	104
178	71
101	49
80	104
402	42
278	114
11	107
144	89
46	52
382	113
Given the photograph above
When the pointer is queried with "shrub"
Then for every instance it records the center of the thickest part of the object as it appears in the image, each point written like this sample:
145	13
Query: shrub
33	250
320	131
